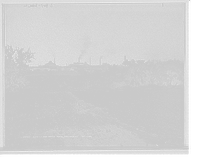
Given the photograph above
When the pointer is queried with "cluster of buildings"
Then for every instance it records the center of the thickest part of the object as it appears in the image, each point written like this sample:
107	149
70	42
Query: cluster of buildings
72	68
68	69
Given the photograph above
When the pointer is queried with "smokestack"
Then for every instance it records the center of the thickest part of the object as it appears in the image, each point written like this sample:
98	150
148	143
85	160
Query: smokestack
54	60
90	61
86	45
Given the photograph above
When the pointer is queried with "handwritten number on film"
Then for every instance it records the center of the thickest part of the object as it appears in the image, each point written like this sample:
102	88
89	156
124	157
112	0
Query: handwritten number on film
39	5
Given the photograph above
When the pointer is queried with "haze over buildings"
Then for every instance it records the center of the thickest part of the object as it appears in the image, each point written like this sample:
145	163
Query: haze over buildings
79	32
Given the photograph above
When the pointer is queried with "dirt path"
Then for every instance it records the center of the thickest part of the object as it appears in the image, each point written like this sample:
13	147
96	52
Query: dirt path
63	121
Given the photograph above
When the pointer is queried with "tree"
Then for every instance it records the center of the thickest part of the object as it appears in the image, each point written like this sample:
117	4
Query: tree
141	72
15	60
174	71
149	72
135	72
157	72
129	72
168	73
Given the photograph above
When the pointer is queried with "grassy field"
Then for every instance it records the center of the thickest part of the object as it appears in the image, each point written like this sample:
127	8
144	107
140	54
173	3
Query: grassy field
142	111
62	114
158	110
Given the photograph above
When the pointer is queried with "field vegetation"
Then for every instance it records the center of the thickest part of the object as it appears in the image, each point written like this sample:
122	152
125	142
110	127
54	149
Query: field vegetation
158	110
130	73
148	95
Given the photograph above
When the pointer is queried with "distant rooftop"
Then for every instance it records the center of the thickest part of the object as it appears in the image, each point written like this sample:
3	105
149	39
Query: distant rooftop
50	64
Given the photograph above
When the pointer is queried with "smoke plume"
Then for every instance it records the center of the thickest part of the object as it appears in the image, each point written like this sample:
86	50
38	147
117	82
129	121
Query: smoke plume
86	45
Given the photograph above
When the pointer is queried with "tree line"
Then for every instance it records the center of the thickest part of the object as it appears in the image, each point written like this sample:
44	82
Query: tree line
137	73
15	60
131	73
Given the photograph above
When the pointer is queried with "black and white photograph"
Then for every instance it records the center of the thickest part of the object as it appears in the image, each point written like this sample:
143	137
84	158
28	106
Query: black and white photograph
94	77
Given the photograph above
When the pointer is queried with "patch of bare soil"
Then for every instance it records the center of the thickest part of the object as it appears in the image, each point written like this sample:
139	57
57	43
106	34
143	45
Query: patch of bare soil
60	120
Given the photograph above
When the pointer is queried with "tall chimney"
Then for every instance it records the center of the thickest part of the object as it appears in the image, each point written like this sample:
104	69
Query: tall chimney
90	61
100	59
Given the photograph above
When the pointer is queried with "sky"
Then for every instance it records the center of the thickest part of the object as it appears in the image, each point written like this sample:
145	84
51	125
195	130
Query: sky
67	32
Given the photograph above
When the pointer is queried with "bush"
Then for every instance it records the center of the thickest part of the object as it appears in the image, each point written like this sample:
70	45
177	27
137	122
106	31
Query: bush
16	61
118	85
80	82
133	73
